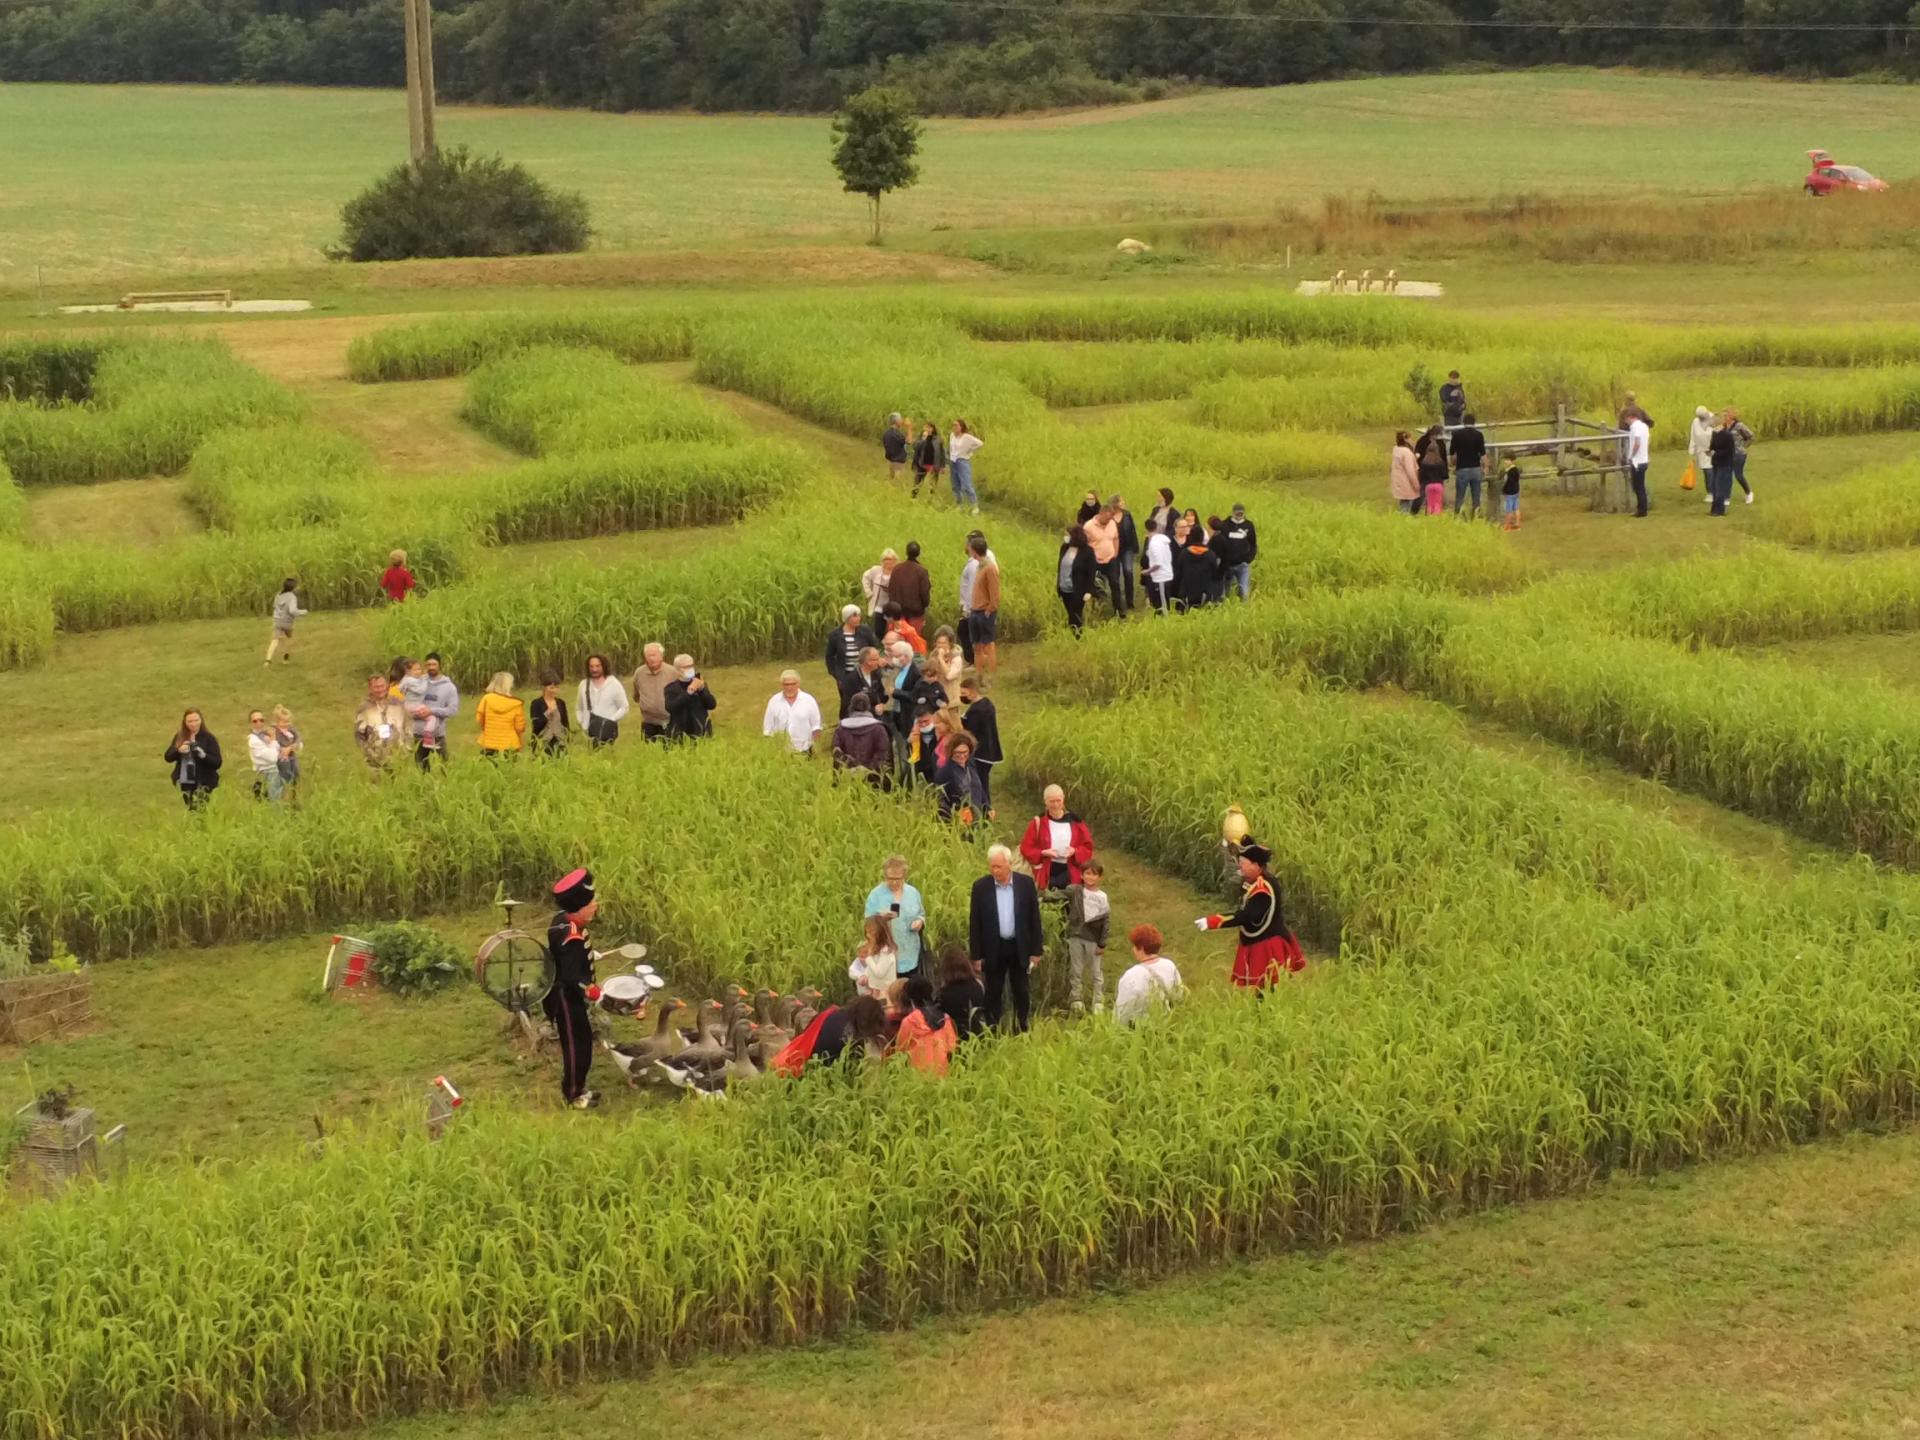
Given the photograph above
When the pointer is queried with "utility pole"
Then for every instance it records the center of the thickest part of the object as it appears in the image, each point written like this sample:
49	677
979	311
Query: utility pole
421	141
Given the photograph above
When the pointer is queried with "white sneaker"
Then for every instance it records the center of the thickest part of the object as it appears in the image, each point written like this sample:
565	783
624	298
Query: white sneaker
586	1100
1749	497
976	509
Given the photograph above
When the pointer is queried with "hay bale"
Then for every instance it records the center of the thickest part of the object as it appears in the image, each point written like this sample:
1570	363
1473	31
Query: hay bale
1133	247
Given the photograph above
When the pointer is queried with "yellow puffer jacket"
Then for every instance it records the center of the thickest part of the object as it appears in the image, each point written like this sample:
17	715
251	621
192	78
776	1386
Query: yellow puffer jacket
503	721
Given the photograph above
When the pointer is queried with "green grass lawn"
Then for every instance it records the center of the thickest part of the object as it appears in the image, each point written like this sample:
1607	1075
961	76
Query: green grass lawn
117	181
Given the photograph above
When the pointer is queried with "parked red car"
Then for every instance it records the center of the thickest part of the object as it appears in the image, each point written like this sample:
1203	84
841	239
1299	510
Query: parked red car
1827	177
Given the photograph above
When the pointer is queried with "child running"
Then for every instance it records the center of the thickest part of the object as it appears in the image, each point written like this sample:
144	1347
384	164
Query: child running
286	609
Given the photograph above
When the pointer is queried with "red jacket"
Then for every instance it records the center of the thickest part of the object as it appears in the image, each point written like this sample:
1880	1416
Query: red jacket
1039	839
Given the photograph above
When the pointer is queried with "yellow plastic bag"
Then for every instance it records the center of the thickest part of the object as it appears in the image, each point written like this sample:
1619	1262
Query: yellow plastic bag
1687	480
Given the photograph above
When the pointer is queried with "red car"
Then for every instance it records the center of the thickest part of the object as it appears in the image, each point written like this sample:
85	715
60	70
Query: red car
1827	177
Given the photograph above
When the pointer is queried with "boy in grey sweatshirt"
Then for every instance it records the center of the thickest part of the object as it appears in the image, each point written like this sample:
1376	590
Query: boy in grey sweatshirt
1088	915
286	609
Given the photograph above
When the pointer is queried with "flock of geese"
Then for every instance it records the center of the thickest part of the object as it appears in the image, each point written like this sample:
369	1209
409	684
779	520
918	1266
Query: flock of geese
736	1039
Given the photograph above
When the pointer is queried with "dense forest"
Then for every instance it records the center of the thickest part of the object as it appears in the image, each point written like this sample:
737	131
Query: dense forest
953	56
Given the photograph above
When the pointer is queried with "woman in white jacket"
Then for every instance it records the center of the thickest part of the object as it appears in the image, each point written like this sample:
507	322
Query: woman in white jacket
1699	444
602	703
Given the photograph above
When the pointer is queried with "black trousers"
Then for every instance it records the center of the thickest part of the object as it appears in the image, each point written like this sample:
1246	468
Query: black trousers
1129	562
1076	607
424	756
1638	474
1157	594
965	631
1005	969
566	1007
1119	587
652	731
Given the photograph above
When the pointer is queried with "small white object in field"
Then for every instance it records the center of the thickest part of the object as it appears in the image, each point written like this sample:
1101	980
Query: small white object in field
238	307
1133	247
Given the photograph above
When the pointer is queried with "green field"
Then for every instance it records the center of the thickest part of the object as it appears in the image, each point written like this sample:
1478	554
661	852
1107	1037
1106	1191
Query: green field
1600	833
254	178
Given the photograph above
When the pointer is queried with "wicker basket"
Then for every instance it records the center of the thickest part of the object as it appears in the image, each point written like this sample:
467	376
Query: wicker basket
55	1152
36	1006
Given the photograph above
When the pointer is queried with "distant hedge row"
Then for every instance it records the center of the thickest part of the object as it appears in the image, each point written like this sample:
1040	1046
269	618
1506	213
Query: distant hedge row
954	59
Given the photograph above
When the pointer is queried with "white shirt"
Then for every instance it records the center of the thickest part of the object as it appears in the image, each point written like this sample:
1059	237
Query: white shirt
961	447
1159	558
264	751
1143	986
1637	440
798	719
605	697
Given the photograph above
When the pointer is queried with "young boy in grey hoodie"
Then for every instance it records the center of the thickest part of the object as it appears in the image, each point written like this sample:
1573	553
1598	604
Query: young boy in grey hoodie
286	609
1088	915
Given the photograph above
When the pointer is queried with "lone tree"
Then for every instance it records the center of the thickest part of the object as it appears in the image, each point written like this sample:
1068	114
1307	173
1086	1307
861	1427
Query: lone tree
875	140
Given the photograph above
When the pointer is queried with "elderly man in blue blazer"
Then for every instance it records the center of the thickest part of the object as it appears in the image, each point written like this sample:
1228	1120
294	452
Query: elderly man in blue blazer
1004	936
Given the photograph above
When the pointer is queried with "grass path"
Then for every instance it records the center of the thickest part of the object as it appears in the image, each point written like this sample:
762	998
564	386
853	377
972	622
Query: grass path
1753	1298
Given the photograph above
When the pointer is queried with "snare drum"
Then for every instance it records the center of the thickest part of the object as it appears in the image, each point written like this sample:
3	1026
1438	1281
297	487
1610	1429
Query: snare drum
624	995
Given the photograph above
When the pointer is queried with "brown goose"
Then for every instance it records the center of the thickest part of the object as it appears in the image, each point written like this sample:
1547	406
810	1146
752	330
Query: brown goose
638	1059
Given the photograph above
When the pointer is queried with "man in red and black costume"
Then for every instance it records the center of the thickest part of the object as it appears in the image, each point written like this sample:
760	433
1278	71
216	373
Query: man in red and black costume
573	985
1267	948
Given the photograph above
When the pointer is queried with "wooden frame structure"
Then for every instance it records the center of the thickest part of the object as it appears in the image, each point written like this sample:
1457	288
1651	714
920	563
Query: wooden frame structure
1588	457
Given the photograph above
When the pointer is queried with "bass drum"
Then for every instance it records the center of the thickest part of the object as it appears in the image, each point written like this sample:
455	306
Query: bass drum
514	969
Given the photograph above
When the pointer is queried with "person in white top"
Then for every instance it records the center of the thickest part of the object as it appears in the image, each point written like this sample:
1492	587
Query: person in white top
1638	440
1151	982
602	703
1700	447
1159	568
264	751
794	714
962	445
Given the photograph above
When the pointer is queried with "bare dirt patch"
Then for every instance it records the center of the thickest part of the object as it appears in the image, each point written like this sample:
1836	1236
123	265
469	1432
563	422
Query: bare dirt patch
298	352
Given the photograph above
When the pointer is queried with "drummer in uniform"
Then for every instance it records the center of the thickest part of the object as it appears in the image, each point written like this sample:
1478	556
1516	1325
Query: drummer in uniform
573	984
1267	948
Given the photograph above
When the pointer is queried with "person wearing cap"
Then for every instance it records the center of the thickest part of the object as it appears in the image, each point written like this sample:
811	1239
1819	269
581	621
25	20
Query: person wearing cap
1267	948
689	702
793	713
1453	399
573	984
1237	545
846	643
893	445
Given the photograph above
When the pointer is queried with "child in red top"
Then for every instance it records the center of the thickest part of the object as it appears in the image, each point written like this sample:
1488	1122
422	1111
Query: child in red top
397	580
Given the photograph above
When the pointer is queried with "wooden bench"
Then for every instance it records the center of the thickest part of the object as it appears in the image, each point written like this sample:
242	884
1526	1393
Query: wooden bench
174	297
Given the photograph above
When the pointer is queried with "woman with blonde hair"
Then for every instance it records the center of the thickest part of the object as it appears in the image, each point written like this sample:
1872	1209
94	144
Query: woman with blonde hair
876	963
501	717
1404	474
945	664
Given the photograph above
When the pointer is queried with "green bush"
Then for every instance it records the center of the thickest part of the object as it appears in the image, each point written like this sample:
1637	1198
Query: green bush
411	959
49	370
457	203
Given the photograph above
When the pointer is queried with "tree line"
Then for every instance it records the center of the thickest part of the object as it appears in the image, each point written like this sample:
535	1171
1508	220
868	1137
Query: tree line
809	55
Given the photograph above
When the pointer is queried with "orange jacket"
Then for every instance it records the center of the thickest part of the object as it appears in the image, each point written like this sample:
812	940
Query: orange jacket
926	1048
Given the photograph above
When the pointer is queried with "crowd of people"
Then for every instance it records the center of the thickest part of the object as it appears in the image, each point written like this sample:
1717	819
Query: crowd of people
1419	468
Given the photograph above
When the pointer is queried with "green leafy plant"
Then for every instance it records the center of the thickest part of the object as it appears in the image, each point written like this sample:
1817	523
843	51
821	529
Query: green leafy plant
412	959
875	140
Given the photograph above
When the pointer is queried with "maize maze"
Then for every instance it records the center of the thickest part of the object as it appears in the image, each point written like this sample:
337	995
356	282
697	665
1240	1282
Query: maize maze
1533	983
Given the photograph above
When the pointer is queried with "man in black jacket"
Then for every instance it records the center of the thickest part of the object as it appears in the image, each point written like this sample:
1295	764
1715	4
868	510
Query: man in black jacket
1237	547
1004	936
1129	548
1469	446
851	638
573	984
893	444
689	702
1453	399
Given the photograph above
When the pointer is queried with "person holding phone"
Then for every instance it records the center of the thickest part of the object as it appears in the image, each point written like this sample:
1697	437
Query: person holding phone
905	911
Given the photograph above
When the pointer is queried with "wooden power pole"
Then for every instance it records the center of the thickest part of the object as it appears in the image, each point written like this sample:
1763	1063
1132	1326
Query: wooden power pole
421	141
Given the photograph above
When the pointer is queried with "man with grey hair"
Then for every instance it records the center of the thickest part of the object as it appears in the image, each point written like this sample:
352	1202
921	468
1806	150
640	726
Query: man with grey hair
794	714
650	691
689	702
893	444
1004	936
851	638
